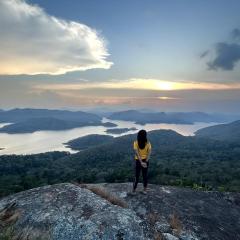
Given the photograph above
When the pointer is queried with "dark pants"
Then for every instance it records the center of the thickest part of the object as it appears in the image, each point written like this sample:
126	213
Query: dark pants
138	169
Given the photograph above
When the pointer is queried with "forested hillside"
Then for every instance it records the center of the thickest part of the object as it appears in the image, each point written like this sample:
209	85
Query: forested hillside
88	141
175	160
224	132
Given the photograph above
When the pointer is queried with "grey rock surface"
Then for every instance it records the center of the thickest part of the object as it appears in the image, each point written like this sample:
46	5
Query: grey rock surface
65	212
168	236
182	212
69	212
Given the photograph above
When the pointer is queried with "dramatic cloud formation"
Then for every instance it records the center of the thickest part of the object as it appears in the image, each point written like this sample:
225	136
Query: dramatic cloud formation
227	54
34	42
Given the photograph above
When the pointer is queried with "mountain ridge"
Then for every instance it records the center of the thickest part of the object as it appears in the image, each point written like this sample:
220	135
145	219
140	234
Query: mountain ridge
167	117
225	132
47	123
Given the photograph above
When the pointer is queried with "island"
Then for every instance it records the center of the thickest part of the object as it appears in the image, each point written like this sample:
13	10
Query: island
119	130
109	124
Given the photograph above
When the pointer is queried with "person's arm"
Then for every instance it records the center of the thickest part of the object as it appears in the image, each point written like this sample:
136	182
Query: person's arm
138	155
140	159
149	152
135	148
148	156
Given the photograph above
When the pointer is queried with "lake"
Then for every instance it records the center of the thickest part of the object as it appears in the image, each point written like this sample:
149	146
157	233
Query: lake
45	141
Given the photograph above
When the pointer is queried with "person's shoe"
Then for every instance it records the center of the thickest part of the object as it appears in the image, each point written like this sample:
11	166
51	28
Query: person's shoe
133	192
144	191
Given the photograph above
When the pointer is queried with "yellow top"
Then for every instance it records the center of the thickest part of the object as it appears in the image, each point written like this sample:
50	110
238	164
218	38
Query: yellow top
142	152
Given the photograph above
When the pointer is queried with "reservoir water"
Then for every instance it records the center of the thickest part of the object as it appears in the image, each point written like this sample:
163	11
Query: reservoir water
45	141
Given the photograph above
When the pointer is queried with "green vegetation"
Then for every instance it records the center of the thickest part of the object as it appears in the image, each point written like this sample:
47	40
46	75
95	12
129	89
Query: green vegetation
223	132
19	172
88	141
176	160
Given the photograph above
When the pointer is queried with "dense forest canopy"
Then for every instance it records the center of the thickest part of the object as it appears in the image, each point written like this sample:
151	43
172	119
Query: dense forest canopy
175	160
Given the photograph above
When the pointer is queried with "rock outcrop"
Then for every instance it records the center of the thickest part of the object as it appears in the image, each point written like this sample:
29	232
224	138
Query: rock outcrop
65	212
108	211
182	213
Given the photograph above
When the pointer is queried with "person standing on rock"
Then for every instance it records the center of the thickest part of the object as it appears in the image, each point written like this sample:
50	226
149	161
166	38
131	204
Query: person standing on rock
142	148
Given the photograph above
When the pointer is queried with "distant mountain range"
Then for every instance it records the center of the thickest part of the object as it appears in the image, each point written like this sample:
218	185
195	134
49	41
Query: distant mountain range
31	120
19	115
43	124
226	132
171	117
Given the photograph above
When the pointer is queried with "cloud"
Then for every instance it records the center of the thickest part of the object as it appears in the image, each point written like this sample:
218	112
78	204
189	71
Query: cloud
227	55
34	42
204	54
236	34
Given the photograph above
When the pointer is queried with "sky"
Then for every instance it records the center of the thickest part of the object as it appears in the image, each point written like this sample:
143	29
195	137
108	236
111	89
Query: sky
176	55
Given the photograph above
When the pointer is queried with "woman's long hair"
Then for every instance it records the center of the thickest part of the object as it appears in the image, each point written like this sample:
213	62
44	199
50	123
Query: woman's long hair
142	139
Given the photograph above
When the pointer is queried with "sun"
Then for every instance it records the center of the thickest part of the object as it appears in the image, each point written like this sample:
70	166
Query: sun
164	85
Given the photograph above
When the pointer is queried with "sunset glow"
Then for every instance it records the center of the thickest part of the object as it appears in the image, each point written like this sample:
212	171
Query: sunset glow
146	84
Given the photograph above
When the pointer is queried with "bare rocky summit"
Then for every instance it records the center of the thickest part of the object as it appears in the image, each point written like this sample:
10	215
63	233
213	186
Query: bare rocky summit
108	211
65	212
183	213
